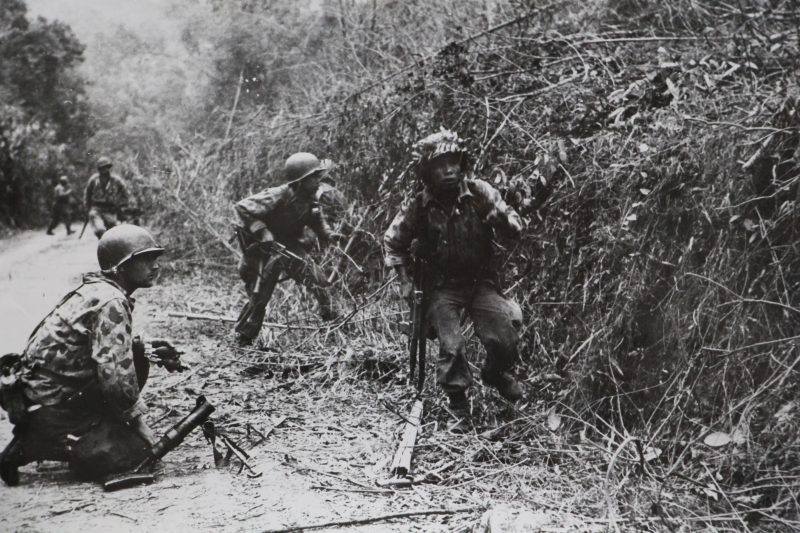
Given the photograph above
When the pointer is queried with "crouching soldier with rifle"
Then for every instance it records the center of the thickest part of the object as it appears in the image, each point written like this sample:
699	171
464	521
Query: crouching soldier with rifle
273	223
452	222
105	198
76	395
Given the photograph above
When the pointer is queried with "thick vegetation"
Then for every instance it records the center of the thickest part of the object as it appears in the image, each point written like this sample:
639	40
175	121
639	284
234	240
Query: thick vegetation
652	147
44	115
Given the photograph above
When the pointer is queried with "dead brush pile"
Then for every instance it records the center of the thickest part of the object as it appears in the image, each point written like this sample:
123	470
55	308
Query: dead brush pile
654	148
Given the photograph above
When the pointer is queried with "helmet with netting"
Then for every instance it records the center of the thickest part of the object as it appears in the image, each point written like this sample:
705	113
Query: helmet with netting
436	145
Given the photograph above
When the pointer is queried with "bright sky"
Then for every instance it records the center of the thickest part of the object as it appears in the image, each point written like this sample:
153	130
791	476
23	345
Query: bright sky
88	17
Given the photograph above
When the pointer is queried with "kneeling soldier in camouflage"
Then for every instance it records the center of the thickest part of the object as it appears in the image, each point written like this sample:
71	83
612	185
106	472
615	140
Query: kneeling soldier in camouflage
452	222
273	223
76	398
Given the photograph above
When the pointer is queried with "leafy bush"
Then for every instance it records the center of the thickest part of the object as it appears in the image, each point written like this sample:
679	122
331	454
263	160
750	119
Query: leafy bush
652	147
44	118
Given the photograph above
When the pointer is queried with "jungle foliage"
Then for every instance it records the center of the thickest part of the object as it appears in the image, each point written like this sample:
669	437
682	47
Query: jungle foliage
653	148
44	113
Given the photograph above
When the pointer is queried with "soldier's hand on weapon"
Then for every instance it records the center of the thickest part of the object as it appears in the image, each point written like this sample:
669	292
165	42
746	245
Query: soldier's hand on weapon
140	426
163	353
264	240
514	228
164	349
406	285
406	289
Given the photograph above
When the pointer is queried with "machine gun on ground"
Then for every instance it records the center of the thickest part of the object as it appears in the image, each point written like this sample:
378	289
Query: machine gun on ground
171	439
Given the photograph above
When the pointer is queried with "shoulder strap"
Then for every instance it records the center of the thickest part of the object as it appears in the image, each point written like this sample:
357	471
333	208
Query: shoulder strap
69	295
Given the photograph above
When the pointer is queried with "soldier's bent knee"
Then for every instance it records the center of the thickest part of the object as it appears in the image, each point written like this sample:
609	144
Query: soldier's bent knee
452	344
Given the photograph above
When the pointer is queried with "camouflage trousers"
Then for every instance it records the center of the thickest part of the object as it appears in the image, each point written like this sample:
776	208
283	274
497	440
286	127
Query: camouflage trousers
270	267
102	219
94	444
496	320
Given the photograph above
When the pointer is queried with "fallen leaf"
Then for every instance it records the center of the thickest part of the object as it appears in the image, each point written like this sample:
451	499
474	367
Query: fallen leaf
553	420
717	439
651	453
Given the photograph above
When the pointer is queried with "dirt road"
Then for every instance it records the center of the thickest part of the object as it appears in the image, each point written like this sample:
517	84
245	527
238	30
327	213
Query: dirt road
318	465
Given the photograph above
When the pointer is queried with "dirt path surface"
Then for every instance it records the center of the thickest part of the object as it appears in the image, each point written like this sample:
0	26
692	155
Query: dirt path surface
328	396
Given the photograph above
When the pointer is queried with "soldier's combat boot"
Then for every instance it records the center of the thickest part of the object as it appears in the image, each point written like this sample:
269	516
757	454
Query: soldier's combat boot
460	419
508	387
243	341
10	460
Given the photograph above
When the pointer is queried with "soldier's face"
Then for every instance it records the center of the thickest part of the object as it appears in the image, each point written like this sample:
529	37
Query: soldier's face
309	185
445	172
104	171
141	271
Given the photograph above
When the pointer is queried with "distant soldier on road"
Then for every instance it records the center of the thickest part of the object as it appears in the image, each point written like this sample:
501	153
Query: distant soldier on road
62	206
452	222
78	381
273	219
106	196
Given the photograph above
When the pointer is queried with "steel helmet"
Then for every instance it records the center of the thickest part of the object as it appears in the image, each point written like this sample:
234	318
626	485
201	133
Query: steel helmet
122	243
103	162
302	165
63	179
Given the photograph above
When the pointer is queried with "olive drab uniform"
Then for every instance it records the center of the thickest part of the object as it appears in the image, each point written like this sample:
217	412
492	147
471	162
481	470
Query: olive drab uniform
62	200
285	214
105	201
457	245
80	379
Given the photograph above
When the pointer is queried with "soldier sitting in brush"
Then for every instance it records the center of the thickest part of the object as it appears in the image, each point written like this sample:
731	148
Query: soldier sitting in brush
272	220
453	220
74	393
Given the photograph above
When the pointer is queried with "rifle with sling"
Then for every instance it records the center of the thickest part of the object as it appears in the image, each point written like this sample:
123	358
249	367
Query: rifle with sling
400	469
83	229
246	241
419	338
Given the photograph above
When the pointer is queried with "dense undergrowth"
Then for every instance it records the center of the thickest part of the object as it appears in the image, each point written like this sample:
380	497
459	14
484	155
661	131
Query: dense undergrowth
653	149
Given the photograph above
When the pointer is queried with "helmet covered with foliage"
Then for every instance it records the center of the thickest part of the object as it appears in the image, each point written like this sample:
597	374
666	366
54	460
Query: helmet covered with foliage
122	243
302	165
103	162
435	145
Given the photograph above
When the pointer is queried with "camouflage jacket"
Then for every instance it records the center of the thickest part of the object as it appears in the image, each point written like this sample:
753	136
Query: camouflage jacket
113	196
86	338
457	242
284	213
